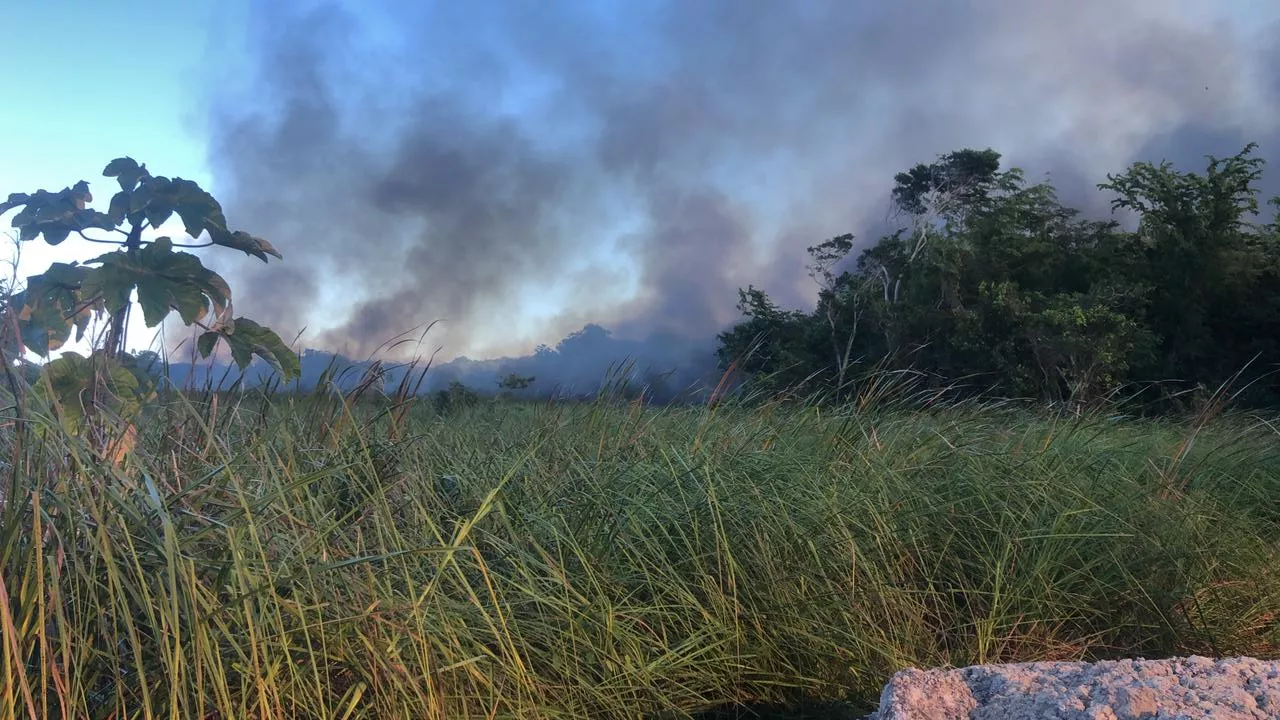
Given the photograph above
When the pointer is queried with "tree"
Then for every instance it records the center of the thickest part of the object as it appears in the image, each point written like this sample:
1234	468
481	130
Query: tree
956	182
938	198
1051	301
455	397
841	300
994	280
1215	302
147	272
774	347
514	381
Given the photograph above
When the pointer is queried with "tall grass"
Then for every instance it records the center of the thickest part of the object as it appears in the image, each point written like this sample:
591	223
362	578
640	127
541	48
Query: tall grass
305	558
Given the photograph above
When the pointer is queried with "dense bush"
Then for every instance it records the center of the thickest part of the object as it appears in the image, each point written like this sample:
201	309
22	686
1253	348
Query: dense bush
992	281
297	557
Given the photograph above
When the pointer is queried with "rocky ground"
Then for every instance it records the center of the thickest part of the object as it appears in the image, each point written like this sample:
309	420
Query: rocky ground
1181	688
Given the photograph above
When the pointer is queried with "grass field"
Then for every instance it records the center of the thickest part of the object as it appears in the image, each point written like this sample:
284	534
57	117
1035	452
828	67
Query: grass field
298	560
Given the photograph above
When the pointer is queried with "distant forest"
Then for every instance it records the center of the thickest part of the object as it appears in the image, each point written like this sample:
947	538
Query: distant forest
990	282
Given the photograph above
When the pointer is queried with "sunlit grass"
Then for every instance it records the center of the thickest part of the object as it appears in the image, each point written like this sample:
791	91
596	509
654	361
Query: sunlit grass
305	559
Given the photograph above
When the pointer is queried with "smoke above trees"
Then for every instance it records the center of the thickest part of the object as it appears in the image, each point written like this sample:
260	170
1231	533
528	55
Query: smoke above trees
521	170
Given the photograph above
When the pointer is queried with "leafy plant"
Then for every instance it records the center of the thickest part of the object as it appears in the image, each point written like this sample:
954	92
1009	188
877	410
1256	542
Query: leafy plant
515	381
992	282
456	397
149	272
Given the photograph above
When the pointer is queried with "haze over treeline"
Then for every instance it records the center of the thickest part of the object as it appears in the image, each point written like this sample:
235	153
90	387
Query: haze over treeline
521	170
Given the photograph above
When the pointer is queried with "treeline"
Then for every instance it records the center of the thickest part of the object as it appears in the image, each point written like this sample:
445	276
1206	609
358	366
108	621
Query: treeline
992	283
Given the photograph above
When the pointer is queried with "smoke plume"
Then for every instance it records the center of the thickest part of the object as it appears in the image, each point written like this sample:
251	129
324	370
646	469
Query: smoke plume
519	169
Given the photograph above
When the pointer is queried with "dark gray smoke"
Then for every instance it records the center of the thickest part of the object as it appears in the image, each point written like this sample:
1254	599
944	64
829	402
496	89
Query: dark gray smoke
520	169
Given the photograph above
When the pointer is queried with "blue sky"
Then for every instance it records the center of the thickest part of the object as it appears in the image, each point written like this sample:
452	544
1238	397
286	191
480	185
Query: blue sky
95	80
90	80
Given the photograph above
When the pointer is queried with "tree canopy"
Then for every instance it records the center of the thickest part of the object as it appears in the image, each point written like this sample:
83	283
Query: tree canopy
993	280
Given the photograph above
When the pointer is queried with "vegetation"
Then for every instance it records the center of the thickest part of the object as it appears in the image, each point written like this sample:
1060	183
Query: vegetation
112	385
993	280
296	557
351	554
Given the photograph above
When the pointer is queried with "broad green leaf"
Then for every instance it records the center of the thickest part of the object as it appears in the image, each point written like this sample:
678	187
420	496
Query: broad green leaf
113	281
127	172
15	199
80	195
189	285
150	199
26	214
197	208
43	328
55	234
158	198
63	275
76	381
249	244
57	215
246	338
119	165
68	380
164	280
193	220
85	219
119	207
157	212
36	210
51	306
60	209
207	342
139	197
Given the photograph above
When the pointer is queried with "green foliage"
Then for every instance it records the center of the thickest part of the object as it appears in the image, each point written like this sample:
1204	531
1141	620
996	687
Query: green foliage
245	338
55	215
51	307
163	279
456	397
773	346
994	280
543	561
156	199
118	386
160	279
964	177
1214	296
516	381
